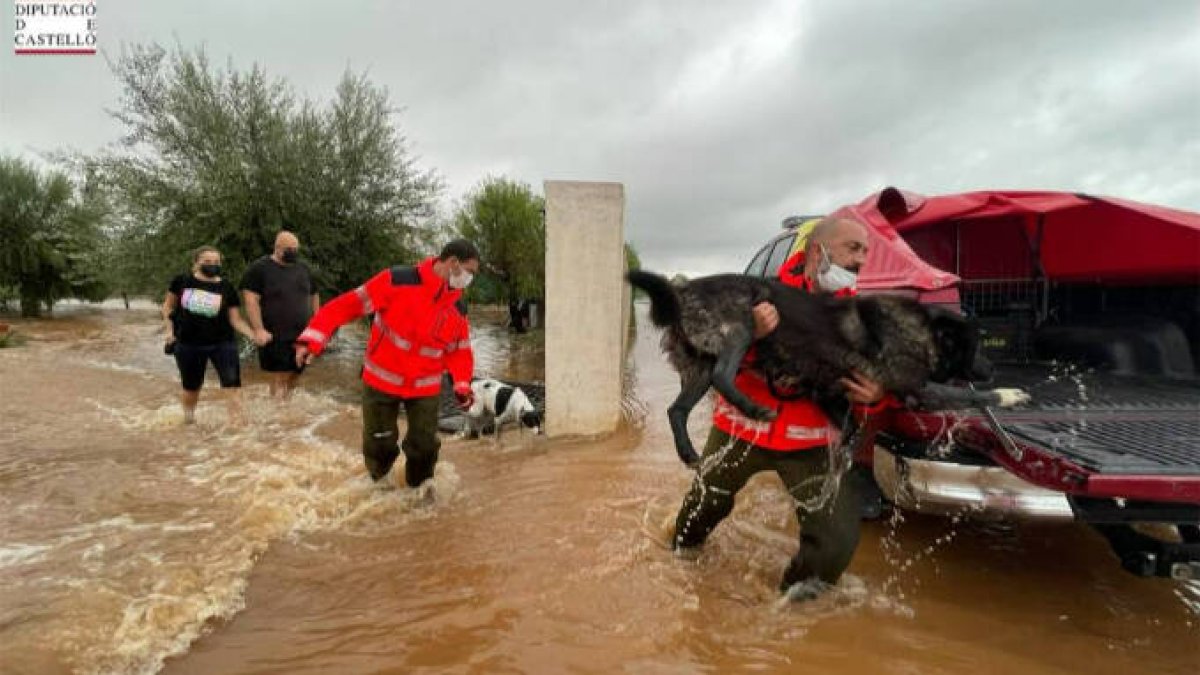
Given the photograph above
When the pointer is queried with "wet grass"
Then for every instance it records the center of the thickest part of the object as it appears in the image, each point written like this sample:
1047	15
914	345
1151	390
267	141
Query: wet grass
11	338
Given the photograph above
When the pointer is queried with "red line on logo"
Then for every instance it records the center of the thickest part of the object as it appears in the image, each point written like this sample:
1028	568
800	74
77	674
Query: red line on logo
70	52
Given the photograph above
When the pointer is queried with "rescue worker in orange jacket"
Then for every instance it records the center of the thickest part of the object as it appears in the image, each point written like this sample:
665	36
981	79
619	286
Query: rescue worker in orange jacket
420	330
795	444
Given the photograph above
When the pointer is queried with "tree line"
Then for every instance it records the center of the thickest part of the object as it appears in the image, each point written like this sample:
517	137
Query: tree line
226	157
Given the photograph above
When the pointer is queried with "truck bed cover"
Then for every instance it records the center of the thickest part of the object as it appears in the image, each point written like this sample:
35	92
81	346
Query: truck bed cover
1108	424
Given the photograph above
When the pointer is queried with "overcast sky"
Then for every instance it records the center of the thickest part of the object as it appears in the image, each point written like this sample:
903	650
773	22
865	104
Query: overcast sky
720	117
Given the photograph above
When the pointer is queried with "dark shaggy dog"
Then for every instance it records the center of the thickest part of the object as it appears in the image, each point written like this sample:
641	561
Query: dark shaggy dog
909	348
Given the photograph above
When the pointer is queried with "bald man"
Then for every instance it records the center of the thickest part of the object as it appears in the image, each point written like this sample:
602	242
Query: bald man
794	445
280	298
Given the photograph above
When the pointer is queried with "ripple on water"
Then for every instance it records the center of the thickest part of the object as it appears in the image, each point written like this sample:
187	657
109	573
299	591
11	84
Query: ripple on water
154	569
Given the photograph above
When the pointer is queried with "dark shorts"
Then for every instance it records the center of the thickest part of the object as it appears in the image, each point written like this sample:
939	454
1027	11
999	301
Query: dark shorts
192	360
278	357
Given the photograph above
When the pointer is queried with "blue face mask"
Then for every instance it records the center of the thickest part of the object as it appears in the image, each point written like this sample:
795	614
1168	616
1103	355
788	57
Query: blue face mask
833	278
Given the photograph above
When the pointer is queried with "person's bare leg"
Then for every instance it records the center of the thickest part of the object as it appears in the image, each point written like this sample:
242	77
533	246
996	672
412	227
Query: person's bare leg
287	384
189	399
282	385
233	406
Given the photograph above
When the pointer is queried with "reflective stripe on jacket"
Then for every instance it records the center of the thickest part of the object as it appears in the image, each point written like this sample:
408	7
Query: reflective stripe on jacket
418	332
800	424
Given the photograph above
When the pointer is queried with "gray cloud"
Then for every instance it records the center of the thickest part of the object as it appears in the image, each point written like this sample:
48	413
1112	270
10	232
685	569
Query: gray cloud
719	117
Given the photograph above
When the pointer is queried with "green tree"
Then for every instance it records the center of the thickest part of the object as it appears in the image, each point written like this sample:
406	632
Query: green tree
50	239
228	157
504	218
633	262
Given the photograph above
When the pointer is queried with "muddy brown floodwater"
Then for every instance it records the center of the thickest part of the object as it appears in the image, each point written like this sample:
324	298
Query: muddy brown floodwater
131	543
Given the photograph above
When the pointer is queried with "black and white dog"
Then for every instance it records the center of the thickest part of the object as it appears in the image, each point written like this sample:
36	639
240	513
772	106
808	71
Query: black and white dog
498	403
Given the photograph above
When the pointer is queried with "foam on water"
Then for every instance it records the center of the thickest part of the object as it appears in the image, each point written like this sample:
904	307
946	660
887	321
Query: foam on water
116	367
19	554
220	495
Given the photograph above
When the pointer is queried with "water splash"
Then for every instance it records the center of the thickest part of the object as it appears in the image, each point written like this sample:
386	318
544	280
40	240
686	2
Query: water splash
172	572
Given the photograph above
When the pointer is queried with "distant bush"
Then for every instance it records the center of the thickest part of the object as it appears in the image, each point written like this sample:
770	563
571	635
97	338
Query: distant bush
9	337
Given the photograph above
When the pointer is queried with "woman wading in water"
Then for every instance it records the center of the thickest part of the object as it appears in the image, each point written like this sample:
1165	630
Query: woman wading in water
199	316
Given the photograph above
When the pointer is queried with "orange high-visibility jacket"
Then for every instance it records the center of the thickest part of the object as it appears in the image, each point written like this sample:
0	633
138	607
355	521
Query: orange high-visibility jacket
419	331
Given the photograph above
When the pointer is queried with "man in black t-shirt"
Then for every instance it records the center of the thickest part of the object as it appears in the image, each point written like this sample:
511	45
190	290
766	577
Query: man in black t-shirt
280	298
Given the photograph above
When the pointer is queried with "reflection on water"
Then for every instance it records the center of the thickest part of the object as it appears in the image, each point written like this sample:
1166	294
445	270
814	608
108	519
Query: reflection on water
129	540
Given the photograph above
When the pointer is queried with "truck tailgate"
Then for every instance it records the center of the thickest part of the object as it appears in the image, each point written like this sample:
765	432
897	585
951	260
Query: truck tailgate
1085	434
1109	425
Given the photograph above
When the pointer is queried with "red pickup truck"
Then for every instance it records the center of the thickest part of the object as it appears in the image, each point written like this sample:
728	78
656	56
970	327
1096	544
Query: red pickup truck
1092	304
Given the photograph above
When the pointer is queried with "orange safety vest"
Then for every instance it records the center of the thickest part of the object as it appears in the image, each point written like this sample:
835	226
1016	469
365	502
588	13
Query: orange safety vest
419	331
800	424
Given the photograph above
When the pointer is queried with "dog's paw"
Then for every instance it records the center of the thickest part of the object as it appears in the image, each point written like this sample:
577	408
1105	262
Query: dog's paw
1010	397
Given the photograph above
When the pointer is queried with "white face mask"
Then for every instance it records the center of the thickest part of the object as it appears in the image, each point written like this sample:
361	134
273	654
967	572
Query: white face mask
834	278
460	279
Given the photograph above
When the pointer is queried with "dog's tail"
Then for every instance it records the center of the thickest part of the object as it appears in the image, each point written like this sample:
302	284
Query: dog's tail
664	303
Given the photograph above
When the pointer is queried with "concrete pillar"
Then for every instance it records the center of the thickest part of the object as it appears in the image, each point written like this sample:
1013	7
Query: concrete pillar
585	259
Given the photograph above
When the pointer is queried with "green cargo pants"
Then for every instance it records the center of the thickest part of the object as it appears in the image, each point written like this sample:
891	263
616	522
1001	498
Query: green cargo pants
828	535
421	444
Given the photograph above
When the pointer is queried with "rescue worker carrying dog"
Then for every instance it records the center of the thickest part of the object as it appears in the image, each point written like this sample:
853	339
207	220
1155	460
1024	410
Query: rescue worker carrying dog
419	331
794	444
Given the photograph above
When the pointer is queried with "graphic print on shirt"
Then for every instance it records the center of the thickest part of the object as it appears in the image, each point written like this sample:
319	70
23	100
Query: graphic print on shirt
201	302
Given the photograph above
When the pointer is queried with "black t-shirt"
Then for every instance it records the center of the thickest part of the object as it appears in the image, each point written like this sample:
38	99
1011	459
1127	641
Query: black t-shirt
203	313
285	295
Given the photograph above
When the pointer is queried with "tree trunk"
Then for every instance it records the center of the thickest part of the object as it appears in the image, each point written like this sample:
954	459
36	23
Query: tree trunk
31	305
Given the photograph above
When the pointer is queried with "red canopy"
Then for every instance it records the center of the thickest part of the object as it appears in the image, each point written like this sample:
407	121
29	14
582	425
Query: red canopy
1006	235
892	263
